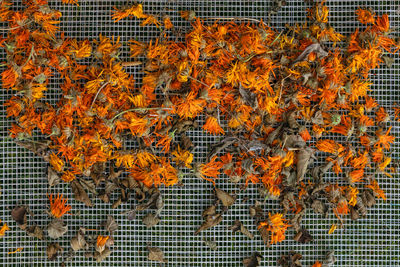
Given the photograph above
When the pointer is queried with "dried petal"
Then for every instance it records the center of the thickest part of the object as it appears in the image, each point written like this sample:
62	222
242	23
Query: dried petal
156	254
226	199
56	228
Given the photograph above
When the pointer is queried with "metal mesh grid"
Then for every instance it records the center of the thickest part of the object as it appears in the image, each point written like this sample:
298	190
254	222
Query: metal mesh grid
370	241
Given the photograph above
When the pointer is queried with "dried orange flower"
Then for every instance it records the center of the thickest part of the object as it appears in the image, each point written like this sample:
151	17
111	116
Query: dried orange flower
376	189
317	264
102	240
277	225
210	169
56	162
58	206
183	157
212	126
365	16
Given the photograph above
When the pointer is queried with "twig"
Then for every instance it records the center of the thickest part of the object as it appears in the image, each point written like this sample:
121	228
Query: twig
98	92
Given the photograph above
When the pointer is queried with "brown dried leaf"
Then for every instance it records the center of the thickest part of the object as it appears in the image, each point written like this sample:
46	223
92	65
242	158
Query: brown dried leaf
238	226
19	215
212	210
52	251
150	220
88	185
156	254
39	148
264	235
52	177
329	260
56	228
316	47
209	222
318	206
80	194
78	242
35	231
99	257
291	260
303	160
226	199
303	236
111	225
253	261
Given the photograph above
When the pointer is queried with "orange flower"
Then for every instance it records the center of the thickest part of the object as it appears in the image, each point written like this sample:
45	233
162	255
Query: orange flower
277	225
82	49
317	264
356	176
384	164
370	103
384	140
352	195
102	240
3	229
189	107
56	162
167	23
376	189
328	146
365	16
361	161
58	207
135	10
150	19
382	24
211	169
9	77
68	176
183	157
381	115
212	126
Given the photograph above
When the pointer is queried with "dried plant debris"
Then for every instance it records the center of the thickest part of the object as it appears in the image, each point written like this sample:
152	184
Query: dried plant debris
291	260
225	198
19	215
53	249
239	227
211	244
283	95
56	228
156	254
78	242
253	261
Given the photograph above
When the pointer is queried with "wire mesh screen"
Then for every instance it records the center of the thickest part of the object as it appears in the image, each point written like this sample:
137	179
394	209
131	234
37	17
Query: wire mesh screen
370	241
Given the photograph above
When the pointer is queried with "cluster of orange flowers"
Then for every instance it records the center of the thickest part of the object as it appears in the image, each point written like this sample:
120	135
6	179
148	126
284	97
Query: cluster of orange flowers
280	94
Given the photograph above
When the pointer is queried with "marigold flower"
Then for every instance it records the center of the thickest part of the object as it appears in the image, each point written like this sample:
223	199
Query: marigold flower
352	195
277	225
183	157
102	240
365	16
56	162
356	176
376	189
70	2
210	169
328	146
212	126
135	10
384	140
317	264
57	206
68	176
167	23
